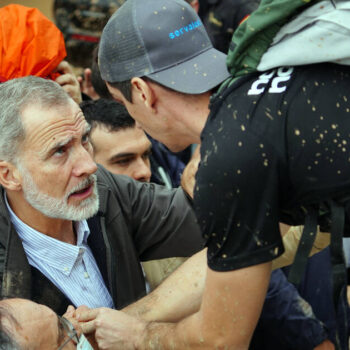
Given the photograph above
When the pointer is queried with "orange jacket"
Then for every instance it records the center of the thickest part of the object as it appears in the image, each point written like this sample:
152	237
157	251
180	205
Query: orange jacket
30	44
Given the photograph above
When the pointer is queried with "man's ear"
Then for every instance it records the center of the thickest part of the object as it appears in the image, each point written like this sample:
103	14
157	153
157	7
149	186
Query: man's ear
9	176
142	92
195	5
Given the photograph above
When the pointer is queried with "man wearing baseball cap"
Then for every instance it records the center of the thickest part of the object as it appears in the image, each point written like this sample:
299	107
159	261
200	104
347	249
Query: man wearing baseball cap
273	148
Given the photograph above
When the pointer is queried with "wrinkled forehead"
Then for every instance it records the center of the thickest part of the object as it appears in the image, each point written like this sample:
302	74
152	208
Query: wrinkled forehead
23	310
27	317
44	124
39	115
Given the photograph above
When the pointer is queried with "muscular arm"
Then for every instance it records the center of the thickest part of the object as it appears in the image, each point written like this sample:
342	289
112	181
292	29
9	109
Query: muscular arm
226	319
227	316
181	293
178	296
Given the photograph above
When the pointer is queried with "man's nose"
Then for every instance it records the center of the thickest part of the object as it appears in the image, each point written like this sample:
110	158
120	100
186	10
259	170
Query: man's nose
142	171
84	163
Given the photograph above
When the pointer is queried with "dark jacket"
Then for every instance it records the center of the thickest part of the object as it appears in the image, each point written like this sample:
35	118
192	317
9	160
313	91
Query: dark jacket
136	221
222	17
287	321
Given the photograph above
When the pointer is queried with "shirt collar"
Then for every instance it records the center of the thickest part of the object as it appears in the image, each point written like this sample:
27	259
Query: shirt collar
59	255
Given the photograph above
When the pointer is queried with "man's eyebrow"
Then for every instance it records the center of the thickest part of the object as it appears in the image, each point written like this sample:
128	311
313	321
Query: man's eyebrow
148	150
66	141
88	128
61	143
121	155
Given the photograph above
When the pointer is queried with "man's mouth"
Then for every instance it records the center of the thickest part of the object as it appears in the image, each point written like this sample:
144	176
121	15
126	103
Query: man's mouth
83	191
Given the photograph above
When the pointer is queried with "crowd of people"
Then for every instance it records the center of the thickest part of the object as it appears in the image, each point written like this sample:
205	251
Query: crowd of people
175	175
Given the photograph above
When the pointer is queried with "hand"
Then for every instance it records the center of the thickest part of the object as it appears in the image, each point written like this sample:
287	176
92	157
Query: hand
325	345
68	81
70	312
113	329
188	179
86	85
71	316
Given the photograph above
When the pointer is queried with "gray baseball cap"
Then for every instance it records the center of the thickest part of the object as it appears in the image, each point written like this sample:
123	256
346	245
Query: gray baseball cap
163	40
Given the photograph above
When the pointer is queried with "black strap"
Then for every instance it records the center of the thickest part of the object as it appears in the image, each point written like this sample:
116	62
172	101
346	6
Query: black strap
337	253
338	262
337	257
306	242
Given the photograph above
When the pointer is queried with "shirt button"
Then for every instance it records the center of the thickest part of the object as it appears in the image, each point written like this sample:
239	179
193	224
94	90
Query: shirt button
65	269
86	275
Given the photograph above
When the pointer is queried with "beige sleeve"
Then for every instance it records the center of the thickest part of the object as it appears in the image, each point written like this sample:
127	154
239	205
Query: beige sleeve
291	241
158	270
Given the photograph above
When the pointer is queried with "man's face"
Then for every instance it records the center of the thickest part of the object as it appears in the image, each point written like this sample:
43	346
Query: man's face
125	151
36	326
161	127
56	163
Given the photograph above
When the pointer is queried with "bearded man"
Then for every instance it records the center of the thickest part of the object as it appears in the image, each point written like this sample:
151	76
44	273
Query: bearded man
70	232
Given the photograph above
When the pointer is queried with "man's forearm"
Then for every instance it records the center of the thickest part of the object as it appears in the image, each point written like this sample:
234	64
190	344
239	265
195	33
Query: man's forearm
178	296
181	293
226	319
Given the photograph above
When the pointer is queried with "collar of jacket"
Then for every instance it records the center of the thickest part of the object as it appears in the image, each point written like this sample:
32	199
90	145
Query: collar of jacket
15	272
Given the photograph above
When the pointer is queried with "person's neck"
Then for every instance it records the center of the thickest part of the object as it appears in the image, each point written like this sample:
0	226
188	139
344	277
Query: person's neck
197	112
60	229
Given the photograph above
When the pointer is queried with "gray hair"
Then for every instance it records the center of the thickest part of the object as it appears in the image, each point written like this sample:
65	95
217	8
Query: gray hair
15	96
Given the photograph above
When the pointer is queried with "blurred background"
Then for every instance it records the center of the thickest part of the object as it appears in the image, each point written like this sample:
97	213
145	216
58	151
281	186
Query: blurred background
45	6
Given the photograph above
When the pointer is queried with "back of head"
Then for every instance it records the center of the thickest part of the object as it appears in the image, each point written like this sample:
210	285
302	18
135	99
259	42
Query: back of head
15	96
98	84
30	44
81	22
164	41
107	113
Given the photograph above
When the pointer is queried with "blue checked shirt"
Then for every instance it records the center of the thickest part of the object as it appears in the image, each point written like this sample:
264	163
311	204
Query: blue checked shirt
71	268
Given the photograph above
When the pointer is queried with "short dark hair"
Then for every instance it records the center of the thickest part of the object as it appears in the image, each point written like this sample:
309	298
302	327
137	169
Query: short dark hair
96	80
7	341
108	113
124	87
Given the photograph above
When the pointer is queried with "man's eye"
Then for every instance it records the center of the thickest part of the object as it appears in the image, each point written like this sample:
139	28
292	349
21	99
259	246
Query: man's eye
147	154
60	151
85	138
123	161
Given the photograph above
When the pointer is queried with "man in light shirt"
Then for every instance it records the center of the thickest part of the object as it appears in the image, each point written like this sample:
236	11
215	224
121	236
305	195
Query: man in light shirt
68	235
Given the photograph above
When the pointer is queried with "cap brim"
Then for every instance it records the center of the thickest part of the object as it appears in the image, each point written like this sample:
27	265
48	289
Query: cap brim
196	75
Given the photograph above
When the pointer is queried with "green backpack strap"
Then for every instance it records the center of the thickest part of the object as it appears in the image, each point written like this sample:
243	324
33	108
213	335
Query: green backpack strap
254	36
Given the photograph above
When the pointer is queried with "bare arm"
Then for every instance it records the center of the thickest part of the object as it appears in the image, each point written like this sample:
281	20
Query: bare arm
181	293
226	319
178	296
188	176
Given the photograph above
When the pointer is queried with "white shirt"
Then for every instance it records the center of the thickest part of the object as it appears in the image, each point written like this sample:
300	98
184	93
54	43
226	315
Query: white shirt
71	268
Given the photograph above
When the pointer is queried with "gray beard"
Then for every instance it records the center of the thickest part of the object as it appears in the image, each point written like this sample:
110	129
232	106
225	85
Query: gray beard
59	208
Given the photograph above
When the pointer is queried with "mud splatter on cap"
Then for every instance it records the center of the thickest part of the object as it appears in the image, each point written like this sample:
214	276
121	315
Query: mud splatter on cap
163	40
